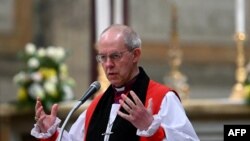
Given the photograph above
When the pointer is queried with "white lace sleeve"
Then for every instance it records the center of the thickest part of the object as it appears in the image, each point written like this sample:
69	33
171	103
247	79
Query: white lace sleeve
36	132
152	128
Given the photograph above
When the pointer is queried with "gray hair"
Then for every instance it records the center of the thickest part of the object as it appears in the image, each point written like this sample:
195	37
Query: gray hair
131	39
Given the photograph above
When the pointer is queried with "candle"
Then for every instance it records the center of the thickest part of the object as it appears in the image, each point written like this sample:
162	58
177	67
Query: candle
240	16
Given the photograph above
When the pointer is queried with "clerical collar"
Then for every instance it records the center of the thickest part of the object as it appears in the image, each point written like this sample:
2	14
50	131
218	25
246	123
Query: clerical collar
123	89
120	89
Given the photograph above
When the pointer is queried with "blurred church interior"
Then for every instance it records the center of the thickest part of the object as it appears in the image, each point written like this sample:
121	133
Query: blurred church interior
200	34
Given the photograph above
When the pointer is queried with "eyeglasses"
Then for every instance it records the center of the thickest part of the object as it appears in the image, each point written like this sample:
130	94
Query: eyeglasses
115	56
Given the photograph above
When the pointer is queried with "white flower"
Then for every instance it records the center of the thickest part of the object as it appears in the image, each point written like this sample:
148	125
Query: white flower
36	76
59	54
30	48
68	93
50	87
53	79
63	68
35	90
41	52
50	51
56	53
21	77
33	63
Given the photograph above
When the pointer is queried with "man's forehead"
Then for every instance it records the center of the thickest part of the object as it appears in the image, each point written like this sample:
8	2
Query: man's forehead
110	49
111	36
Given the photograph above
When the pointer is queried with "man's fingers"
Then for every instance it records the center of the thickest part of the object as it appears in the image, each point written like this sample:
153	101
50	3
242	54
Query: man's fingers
129	102
125	116
54	110
39	112
40	123
136	98
40	120
38	103
125	106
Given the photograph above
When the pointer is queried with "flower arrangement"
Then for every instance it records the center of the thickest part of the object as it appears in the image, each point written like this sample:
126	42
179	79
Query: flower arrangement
45	75
247	85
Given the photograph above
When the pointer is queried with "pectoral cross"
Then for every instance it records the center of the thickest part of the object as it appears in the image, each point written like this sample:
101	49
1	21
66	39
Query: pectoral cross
107	134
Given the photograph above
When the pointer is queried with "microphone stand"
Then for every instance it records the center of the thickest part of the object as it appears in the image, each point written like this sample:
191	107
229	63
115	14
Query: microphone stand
76	106
92	89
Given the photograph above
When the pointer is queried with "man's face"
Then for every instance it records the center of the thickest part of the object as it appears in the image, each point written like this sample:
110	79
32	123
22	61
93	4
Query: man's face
117	61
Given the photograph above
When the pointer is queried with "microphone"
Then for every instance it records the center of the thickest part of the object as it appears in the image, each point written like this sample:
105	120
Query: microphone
93	88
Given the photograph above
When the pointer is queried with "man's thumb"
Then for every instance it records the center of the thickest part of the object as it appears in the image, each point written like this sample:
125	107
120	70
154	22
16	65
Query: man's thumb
54	110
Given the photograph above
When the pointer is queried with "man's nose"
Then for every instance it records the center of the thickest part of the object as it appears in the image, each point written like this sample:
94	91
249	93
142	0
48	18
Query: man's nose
109	62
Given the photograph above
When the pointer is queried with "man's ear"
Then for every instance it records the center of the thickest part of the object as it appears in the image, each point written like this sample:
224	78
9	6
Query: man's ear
136	54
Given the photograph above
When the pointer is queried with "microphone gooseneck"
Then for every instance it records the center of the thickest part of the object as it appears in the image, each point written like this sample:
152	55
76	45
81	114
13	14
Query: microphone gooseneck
93	88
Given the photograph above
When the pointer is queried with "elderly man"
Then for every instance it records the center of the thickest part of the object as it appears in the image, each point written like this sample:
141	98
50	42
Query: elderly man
133	107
